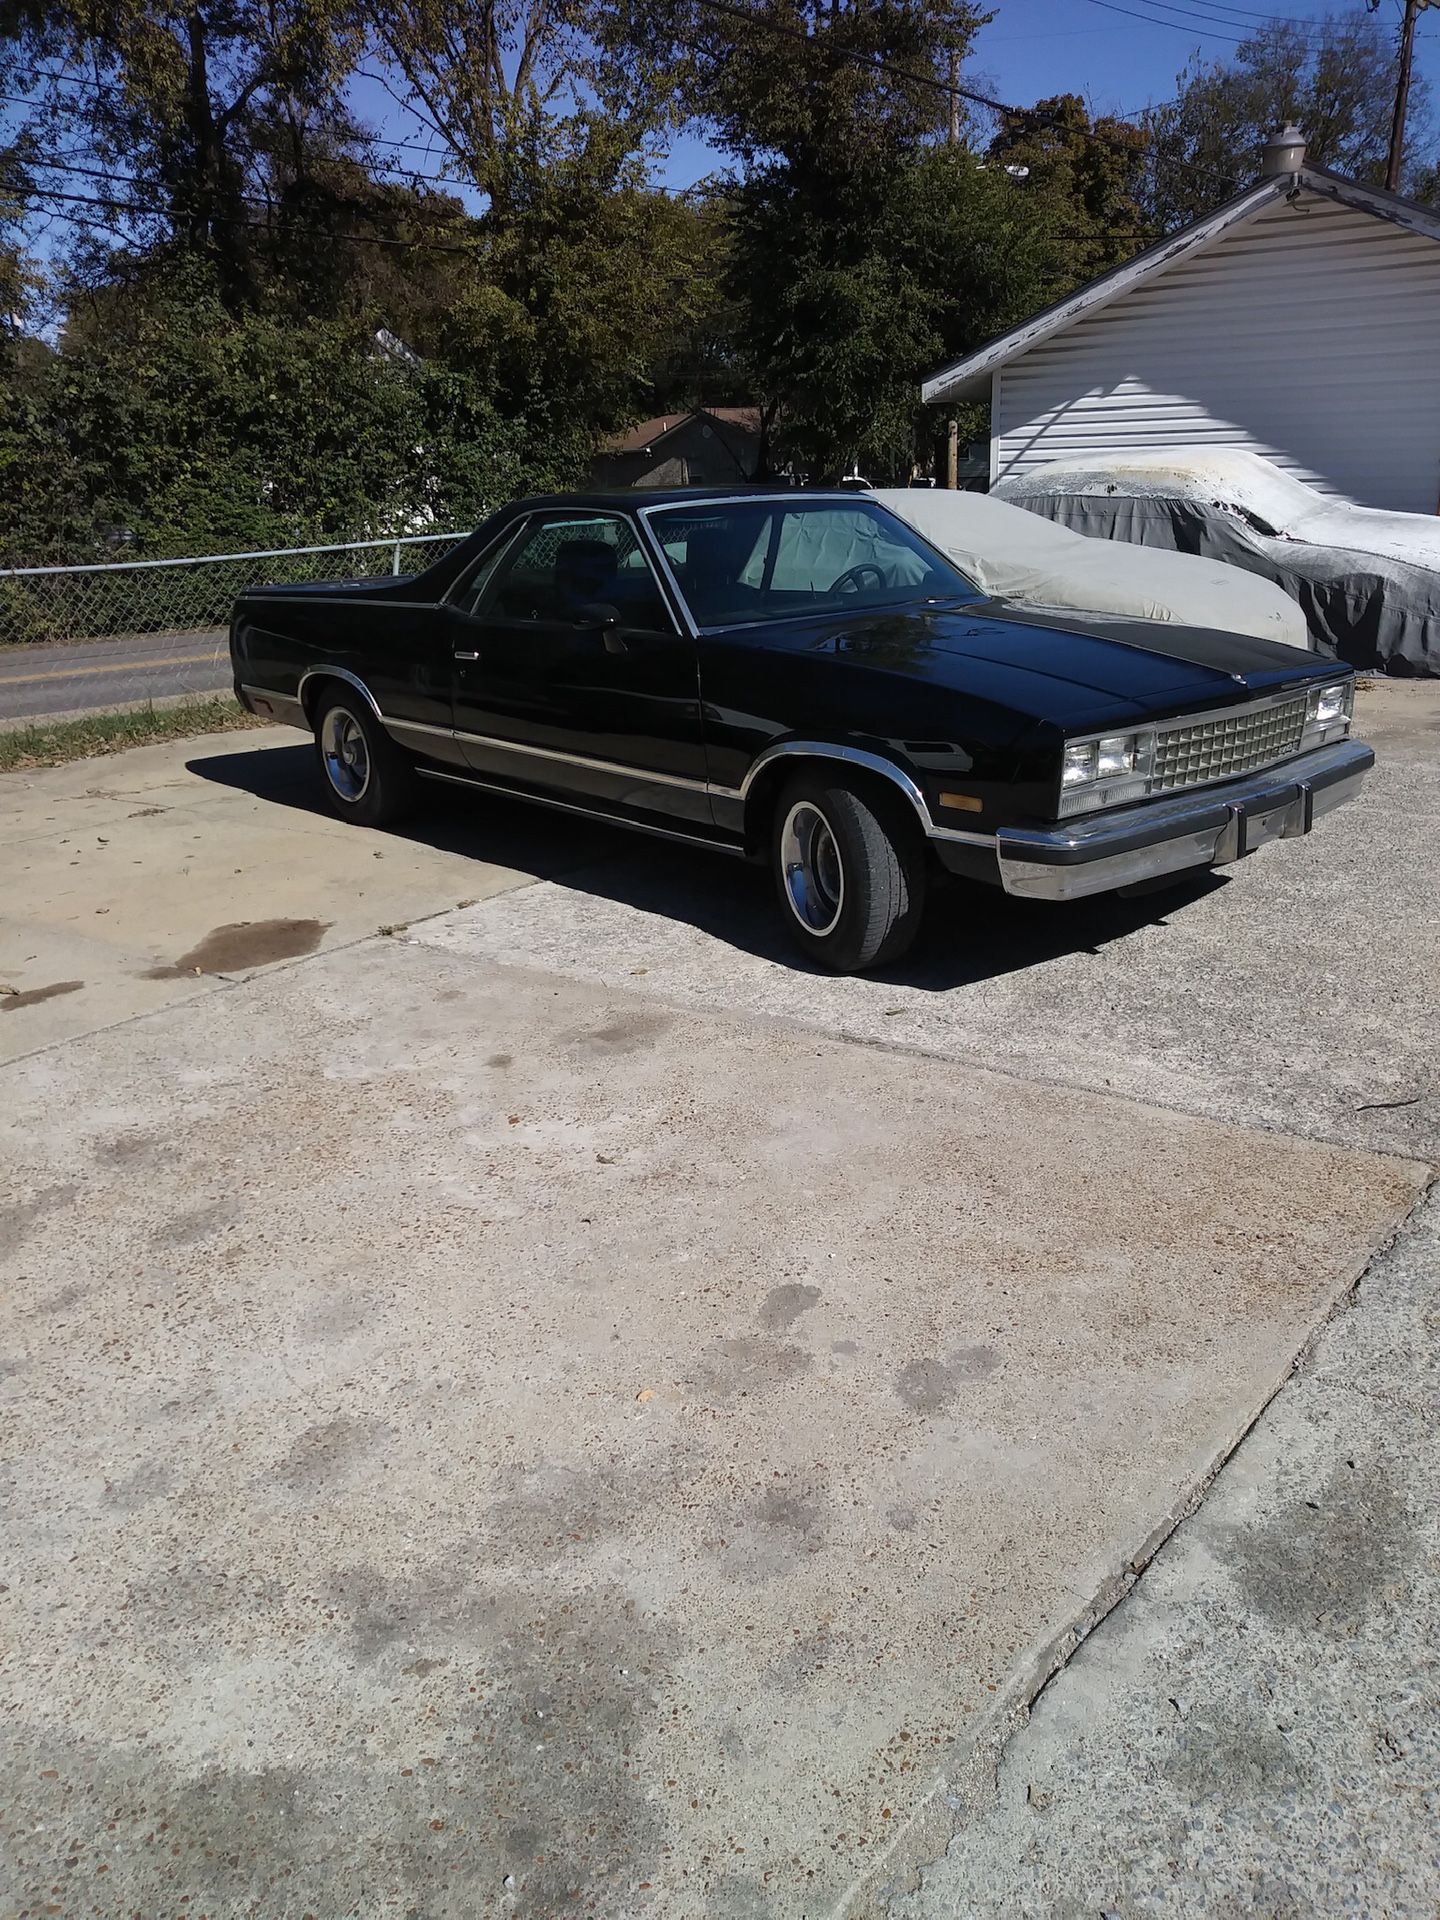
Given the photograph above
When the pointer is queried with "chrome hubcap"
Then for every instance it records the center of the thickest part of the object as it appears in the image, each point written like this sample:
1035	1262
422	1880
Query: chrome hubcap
810	862
347	758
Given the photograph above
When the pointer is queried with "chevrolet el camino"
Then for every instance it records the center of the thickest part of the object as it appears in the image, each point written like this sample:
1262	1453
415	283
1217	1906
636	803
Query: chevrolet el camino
801	678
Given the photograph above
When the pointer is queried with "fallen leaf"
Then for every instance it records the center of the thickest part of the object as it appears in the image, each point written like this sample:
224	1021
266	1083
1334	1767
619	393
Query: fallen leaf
646	1393
9	990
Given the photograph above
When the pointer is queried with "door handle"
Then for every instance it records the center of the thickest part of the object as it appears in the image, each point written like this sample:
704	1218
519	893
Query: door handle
466	656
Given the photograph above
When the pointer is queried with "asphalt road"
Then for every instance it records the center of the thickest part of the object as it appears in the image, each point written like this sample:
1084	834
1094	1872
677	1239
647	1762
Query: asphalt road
88	676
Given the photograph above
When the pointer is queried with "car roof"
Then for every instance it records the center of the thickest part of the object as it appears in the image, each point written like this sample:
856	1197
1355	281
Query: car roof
635	499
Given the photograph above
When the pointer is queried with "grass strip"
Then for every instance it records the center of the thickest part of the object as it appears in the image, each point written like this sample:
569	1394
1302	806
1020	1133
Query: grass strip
53	743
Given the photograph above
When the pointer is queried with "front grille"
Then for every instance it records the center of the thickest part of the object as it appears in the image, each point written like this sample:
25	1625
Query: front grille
1234	743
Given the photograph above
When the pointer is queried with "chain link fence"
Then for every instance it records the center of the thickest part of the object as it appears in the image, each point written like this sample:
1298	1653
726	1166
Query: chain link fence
99	638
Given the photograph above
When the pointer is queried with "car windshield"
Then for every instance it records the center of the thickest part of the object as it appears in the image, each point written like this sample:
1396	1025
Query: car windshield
741	560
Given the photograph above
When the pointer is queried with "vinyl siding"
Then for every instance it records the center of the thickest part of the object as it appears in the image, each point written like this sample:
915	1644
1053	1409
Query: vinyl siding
1310	335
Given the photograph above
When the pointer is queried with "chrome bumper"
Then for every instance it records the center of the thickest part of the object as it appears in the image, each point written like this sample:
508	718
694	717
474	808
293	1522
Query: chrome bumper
1202	829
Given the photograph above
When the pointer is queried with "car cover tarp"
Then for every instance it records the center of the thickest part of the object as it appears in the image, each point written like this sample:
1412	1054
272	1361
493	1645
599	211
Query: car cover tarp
1368	582
1025	558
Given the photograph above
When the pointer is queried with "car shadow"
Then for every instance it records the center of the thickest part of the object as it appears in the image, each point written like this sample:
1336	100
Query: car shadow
972	932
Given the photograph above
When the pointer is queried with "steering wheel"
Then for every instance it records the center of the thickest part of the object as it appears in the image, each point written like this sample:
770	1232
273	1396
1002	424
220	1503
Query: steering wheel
852	580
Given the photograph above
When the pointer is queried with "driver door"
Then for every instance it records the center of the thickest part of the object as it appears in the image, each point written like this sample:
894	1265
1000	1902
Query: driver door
553	695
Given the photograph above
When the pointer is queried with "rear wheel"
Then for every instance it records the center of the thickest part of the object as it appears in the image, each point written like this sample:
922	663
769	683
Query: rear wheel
849	865
367	778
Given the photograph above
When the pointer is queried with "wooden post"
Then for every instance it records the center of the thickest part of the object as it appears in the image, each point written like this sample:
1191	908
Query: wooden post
952	454
1396	157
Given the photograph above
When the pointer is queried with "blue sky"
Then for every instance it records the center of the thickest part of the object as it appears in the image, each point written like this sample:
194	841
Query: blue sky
1034	48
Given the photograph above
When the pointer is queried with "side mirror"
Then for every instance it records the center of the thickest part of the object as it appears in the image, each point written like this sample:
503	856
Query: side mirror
599	616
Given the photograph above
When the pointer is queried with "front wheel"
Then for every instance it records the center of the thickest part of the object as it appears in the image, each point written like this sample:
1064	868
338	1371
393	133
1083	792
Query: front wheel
850	868
367	778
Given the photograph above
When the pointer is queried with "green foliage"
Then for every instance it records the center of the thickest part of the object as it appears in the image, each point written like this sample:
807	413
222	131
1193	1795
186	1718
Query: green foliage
1092	173
184	428
856	311
1333	78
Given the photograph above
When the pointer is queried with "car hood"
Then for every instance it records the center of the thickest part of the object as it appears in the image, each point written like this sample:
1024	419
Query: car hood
1074	669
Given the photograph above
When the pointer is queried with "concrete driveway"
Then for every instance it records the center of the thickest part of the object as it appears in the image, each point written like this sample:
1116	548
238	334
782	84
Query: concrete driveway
556	1409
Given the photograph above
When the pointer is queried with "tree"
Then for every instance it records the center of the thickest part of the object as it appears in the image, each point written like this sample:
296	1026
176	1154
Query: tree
829	107
1093	172
1333	78
581	273
169	127
181	427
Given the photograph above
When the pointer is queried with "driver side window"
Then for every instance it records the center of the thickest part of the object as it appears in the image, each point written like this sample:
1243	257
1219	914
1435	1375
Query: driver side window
566	563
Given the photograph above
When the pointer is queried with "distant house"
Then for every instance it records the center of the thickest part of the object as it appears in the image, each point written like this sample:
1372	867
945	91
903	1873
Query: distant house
1299	321
707	447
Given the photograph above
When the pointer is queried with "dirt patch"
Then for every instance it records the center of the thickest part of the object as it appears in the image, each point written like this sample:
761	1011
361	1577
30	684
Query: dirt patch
242	944
12	1002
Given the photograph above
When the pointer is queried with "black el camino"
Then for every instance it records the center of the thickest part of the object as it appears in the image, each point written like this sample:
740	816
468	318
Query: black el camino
800	677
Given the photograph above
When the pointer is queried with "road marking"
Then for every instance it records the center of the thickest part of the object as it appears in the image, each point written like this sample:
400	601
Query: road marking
114	666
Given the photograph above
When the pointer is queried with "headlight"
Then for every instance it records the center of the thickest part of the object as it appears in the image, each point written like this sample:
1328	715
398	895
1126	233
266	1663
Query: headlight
1078	767
1332	703
1106	771
1115	754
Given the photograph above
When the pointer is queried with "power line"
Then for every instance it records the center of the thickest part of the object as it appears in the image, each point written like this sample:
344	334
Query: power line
856	57
428	148
1196	33
1245	14
109	204
1213	18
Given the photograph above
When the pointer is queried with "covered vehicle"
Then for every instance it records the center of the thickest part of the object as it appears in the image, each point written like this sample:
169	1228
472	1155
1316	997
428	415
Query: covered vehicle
1367	580
805	680
1032	560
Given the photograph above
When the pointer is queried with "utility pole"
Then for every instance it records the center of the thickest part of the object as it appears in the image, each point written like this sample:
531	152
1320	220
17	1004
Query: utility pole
952	437
1396	157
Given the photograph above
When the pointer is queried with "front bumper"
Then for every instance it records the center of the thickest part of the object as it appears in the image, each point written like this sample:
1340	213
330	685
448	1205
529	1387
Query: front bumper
1206	828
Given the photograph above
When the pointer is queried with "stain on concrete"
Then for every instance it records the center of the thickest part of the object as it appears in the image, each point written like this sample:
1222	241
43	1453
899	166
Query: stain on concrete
240	945
810	1653
32	997
735	1898
554	1510
930	1385
132	1147
20	1219
151	1480
748	1364
773	1532
329	1451
61	1301
627	1033
783	1306
845	1346
535	1787
501	1060
789	1511
1223	1758
201	1223
1330	1562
